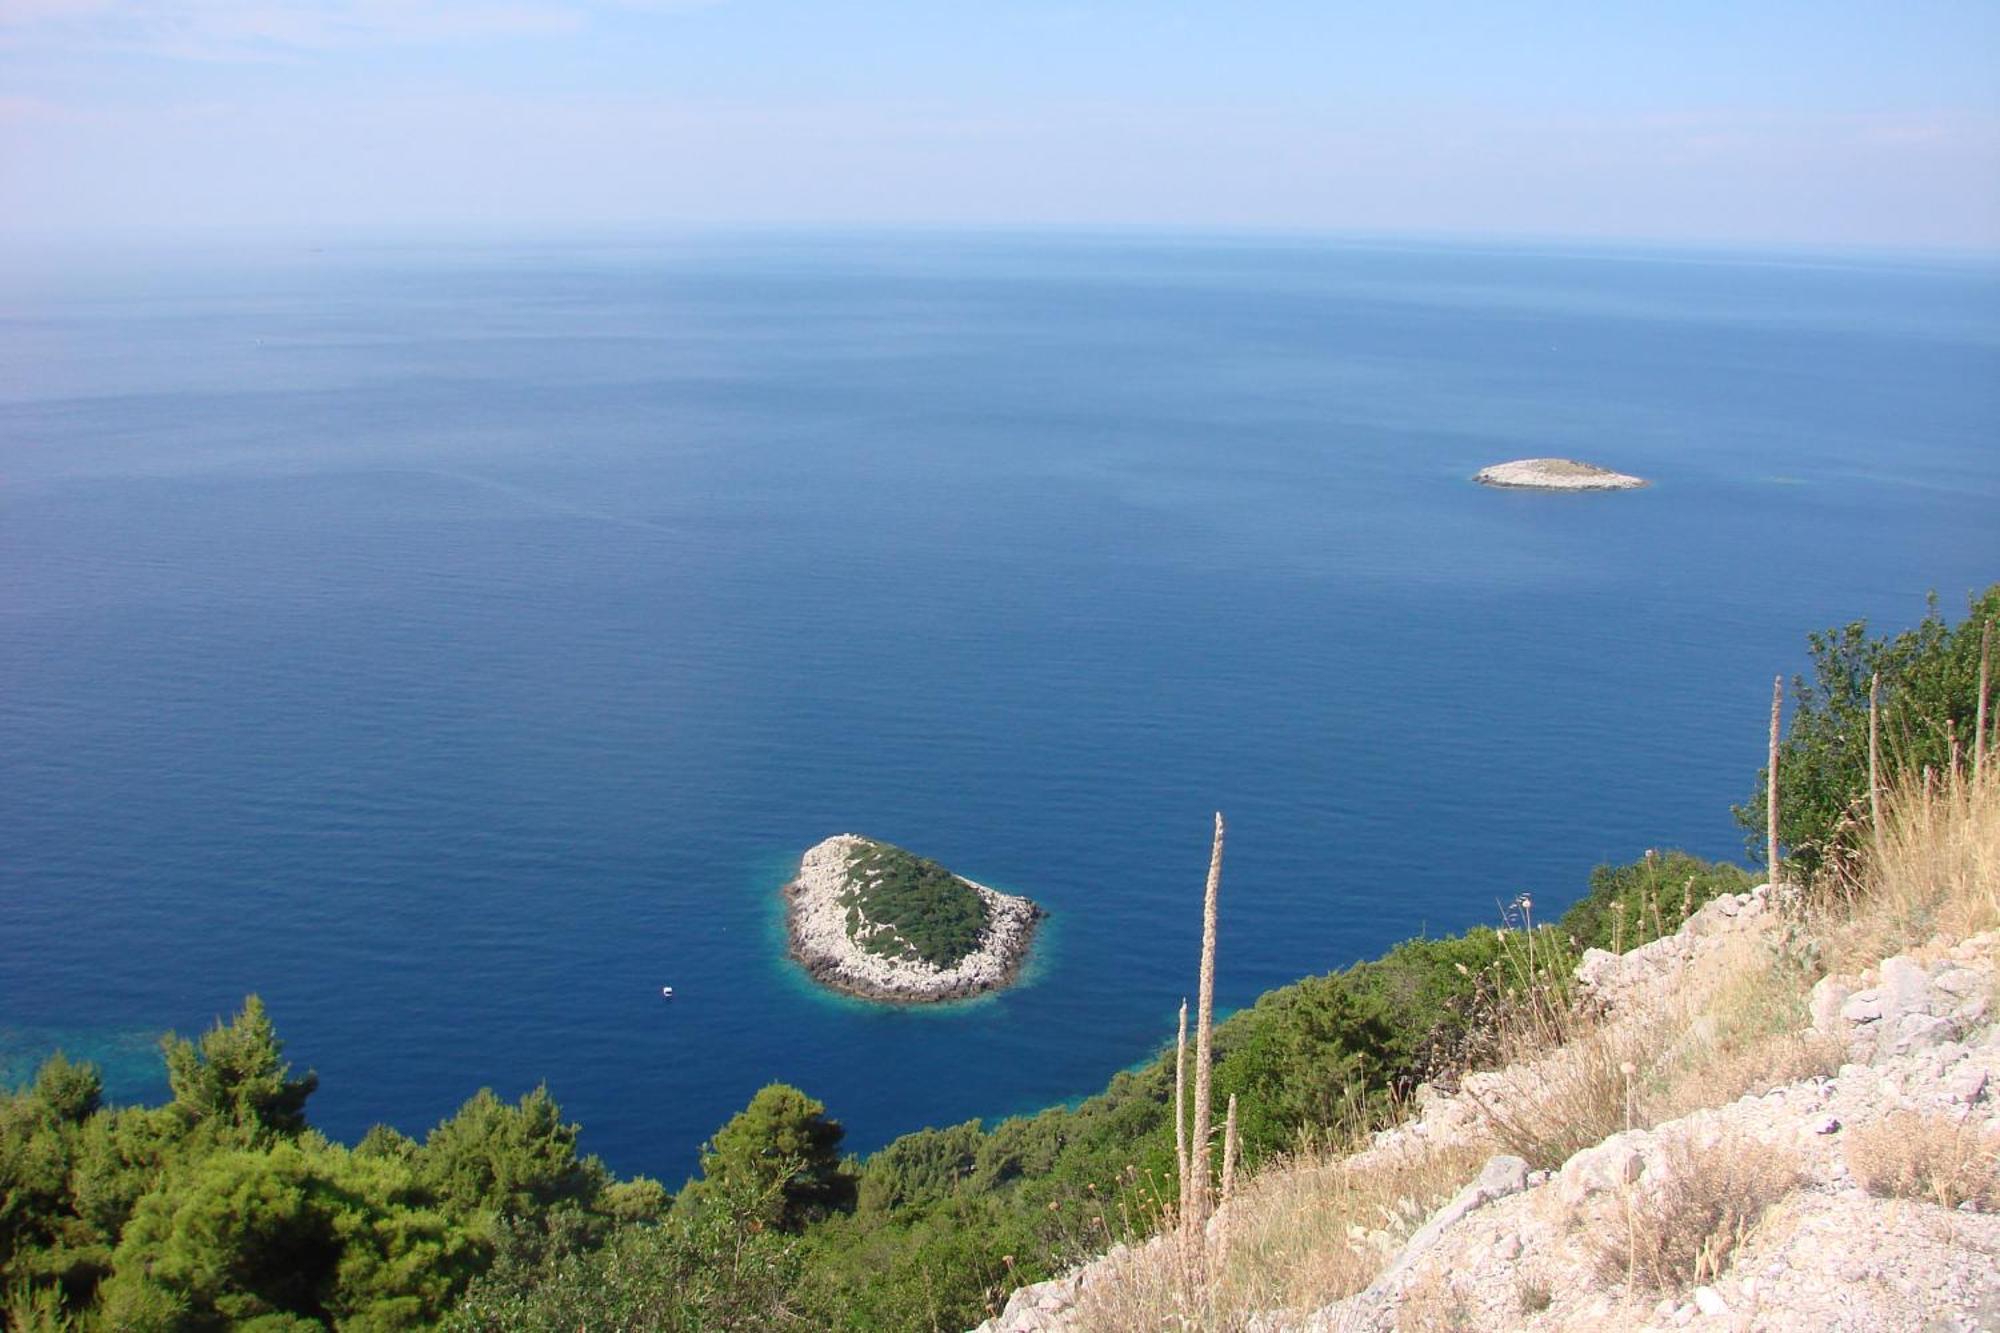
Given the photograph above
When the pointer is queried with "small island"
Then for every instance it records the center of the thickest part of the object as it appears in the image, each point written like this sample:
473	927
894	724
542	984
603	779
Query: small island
875	921
1556	474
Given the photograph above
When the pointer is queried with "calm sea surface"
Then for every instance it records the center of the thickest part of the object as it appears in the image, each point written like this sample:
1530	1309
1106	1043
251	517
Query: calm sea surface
454	644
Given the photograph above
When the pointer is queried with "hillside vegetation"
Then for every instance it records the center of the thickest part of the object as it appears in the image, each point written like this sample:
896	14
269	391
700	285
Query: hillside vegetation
223	1208
1781	1117
904	906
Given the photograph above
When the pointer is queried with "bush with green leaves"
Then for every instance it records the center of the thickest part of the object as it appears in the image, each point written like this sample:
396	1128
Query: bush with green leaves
783	1149
300	1234
1630	904
222	1208
709	1266
1929	702
234	1086
932	914
515	1160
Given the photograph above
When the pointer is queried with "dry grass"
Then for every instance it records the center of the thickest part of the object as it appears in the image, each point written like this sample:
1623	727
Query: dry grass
1682	1231
1938	872
1732	1023
1918	1155
1565	1083
1303	1232
1317	1227
1737	1021
1548	1108
1746	1029
1432	1306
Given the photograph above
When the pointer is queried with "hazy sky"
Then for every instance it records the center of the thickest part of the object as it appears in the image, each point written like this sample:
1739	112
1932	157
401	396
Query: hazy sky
1734	121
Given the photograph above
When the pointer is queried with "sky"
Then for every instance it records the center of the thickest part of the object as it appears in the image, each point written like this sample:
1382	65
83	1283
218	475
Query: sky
1730	122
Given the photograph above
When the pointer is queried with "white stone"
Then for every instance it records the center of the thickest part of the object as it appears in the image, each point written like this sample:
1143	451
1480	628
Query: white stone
1916	1031
1865	1007
1960	981
1966	1084
1828	995
1616	1162
1905	986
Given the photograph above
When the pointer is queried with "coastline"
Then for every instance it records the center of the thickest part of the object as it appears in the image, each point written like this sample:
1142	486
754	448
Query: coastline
817	939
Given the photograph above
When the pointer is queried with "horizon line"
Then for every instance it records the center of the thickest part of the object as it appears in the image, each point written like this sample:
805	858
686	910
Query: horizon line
490	231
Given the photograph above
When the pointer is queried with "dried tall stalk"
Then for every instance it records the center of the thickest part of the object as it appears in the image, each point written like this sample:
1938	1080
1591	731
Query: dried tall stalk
1180	1110
1875	762
1979	739
1198	1190
1231	1146
1771	784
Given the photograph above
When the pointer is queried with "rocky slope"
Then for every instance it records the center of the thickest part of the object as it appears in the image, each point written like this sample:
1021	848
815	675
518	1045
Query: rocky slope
818	923
1905	1052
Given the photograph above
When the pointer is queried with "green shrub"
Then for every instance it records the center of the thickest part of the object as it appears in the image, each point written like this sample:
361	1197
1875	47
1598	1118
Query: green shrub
303	1233
710	1267
1631	904
516	1161
781	1148
933	914
1929	696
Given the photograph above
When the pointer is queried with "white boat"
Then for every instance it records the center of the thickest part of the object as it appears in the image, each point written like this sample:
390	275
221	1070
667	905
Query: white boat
666	992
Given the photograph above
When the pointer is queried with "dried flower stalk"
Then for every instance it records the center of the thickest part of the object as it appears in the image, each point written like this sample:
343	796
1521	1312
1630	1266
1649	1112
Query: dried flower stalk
1875	761
1180	1110
1231	1147
1198	1191
1979	737
1771	785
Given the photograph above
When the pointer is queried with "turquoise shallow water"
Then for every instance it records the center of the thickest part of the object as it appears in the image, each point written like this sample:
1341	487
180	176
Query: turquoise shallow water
454	644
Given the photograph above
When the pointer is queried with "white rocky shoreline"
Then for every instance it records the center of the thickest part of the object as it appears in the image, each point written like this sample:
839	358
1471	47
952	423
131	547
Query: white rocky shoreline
1556	474
816	920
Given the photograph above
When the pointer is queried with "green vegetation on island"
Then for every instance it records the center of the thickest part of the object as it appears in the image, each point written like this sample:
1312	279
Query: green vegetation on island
913	907
223	1209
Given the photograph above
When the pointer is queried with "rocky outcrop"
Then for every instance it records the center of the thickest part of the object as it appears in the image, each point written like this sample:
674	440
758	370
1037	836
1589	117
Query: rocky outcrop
818	924
1556	474
1829	1256
1912	1037
1906	1006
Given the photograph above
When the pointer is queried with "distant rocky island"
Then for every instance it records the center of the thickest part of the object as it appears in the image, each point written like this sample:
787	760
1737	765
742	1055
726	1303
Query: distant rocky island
882	923
1556	474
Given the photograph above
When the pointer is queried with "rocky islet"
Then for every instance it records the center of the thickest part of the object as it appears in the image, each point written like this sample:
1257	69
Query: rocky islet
1556	474
817	904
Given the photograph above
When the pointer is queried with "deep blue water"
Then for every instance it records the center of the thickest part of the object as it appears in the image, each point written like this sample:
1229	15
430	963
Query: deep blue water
454	644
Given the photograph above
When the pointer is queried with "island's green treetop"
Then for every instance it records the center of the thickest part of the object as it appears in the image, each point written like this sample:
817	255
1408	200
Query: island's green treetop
901	905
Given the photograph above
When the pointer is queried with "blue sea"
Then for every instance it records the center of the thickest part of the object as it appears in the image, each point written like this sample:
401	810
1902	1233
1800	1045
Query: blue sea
453	642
